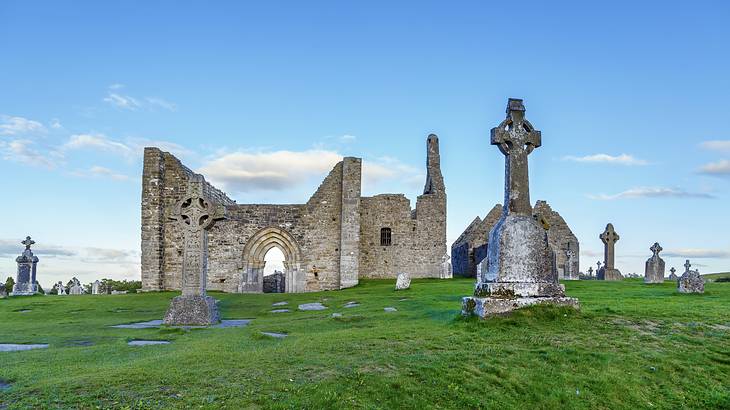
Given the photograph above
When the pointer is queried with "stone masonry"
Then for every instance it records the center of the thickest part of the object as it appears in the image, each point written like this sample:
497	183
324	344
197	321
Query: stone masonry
330	242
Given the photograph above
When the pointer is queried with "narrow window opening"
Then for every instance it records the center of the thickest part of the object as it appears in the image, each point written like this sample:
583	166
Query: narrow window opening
386	238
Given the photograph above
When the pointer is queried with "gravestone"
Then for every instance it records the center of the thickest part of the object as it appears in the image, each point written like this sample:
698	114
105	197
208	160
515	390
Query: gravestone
446	271
690	282
76	289
60	289
654	269
3	292
96	288
609	237
590	271
520	268
673	276
569	273
403	281
195	215
25	281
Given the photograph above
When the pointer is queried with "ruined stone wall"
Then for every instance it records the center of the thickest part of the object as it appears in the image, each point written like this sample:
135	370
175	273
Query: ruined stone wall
561	238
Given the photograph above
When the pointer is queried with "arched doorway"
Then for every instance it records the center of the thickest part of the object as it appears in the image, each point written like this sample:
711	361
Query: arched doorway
254	260
274	278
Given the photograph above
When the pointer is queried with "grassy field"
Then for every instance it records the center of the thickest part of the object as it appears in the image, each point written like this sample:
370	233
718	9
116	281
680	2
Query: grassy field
715	276
631	346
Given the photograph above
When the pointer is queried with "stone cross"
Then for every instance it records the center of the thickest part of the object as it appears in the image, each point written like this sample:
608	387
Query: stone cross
673	270
516	139
599	265
590	271
569	263
28	242
656	248
195	215
609	238
687	265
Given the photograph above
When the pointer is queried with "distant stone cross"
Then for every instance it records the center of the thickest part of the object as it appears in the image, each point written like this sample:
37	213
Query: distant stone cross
28	242
656	249
673	270
516	139
687	265
609	238
599	265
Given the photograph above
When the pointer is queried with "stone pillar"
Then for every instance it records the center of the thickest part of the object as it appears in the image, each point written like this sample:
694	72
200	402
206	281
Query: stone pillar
196	215
520	269
654	269
350	223
153	211
25	280
609	238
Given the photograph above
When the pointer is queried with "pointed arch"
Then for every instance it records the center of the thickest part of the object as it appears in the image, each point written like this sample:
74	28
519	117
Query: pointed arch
254	252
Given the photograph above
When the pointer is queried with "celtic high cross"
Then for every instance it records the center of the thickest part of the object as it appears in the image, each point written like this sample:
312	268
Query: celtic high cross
28	242
609	238
516	139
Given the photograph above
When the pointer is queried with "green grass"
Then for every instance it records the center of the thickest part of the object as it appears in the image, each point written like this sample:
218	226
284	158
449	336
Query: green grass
631	346
715	276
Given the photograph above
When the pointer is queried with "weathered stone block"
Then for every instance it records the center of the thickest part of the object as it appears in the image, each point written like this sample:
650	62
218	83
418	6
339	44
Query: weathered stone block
192	311
487	307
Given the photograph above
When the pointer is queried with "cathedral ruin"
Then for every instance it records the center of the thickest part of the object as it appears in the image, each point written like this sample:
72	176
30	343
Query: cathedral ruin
330	242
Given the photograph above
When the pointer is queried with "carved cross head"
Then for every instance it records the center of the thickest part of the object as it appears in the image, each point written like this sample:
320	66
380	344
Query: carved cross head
194	212
570	254
515	134
687	265
28	242
656	248
672	270
590	270
609	236
599	265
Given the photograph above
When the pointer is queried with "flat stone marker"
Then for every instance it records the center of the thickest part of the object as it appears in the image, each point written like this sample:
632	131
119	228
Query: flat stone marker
140	325
312	306
349	305
224	324
337	315
390	309
148	342
280	304
280	311
158	323
10	347
5	385
275	335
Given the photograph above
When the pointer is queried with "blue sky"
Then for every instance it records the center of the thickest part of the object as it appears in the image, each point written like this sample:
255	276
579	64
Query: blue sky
631	98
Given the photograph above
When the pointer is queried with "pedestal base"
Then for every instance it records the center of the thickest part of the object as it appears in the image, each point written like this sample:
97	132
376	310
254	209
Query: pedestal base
610	274
487	307
192	311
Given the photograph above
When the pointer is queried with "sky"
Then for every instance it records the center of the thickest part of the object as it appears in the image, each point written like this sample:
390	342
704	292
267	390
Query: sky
264	98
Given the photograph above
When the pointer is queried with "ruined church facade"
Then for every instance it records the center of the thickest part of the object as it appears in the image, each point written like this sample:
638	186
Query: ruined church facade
329	243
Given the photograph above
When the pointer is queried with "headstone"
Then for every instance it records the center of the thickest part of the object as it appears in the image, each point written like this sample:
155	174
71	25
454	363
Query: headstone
690	282
609	237
25	281
195	215
570	273
673	275
520	270
60	289
96	288
446	271
590	271
403	281
3	292
654	269
76	288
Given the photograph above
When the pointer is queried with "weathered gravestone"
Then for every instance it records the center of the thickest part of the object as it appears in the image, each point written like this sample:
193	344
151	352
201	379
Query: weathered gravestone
3	292
403	281
673	275
446	270
96	288
590	272
569	273
195	215
60	289
25	281
520	268
609	237
76	288
654	269
690	282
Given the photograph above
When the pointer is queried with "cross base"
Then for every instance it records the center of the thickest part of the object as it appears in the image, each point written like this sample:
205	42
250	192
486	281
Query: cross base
610	274
485	308
192	311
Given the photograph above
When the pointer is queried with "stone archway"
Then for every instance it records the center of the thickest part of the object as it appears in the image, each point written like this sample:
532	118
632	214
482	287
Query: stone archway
254	252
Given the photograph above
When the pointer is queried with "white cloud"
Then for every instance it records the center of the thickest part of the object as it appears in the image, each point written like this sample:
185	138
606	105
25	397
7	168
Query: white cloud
162	103
389	168
11	248
719	168
20	126
25	151
716	145
101	172
56	124
347	138
623	159
125	102
651	192
689	253
116	86
97	142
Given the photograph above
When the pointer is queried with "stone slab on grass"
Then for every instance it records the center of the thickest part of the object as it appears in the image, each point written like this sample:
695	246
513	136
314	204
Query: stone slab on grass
312	306
148	342
11	347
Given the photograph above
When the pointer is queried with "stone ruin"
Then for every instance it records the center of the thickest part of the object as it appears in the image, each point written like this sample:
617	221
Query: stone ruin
654	269
274	283
75	288
691	281
25	280
471	247
196	216
330	242
609	237
520	267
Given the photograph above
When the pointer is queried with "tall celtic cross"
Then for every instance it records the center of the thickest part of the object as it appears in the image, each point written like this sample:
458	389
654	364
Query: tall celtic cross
28	242
516	139
195	215
609	238
656	248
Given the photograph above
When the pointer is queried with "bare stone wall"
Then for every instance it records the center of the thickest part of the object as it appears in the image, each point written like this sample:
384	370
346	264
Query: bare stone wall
470	248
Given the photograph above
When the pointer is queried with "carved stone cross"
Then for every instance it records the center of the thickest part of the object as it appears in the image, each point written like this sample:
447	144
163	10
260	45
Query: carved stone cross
656	248
599	265
28	242
195	215
609	238
687	265
673	270
516	139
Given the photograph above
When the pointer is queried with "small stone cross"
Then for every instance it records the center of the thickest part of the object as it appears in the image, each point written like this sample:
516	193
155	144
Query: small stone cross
28	242
516	139
687	265
590	271
599	265
673	270
656	248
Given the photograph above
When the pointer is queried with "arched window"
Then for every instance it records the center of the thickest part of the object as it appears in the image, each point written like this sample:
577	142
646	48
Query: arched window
385	237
